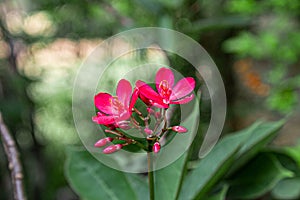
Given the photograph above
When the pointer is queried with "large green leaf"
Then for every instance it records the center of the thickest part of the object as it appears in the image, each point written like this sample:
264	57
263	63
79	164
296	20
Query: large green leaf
213	166
287	189
243	145
139	184
258	177
93	180
293	152
219	196
168	179
260	136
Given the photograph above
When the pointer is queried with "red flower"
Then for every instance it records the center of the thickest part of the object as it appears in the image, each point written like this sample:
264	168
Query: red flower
114	109
148	95
167	94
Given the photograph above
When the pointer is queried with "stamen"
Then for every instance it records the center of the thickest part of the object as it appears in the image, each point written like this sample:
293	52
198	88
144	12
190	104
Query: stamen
117	106
165	91
164	85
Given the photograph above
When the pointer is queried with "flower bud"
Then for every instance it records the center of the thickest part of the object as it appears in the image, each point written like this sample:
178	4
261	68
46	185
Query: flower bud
157	115
156	147
179	129
112	148
148	131
103	142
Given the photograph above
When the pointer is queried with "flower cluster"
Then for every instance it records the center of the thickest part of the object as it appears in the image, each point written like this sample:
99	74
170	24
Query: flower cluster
120	113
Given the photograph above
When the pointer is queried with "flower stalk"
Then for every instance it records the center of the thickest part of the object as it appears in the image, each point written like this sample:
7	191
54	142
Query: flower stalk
150	176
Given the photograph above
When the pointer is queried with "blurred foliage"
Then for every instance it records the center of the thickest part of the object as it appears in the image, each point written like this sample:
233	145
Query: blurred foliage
275	39
42	43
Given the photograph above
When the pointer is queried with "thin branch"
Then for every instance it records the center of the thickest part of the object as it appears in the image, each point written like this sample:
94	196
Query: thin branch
14	162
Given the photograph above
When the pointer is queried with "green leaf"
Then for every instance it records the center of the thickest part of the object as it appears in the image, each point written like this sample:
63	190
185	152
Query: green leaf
93	180
261	135
258	177
168	179
219	196
139	184
241	44
293	152
287	189
283	100
214	165
243	145
242	6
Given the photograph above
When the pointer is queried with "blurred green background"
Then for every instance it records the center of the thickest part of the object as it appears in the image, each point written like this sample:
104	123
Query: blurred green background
255	44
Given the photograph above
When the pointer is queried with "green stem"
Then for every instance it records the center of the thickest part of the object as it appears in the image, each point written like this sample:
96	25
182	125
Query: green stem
150	176
165	118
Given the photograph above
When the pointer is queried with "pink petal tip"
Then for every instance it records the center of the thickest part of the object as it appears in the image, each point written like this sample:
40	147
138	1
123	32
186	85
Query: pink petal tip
112	148
102	142
148	131
179	129
156	147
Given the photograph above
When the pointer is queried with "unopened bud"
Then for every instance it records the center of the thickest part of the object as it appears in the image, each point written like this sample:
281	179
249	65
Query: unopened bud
148	131
157	115
103	142
112	148
179	129
156	147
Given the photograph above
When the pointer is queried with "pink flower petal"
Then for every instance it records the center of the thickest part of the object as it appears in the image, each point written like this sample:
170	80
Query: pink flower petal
124	90
103	119
103	102
183	100
140	83
124	125
183	88
161	105
147	101
134	98
147	91
149	96
164	74
122	116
